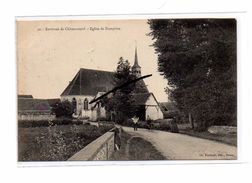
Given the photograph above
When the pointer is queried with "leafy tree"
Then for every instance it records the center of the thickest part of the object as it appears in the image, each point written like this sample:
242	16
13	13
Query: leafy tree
121	102
198	58
63	109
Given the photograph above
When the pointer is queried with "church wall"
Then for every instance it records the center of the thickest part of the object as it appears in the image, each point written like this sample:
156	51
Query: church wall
152	109
80	104
91	114
102	112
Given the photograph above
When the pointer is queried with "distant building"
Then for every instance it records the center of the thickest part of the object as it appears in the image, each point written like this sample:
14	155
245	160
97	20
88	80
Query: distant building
169	109
89	84
148	106
30	108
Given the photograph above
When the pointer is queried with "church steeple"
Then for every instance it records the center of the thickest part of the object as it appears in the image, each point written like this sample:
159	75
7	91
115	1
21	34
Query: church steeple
136	69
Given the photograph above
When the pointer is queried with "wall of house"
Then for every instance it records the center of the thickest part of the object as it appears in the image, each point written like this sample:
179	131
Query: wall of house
152	109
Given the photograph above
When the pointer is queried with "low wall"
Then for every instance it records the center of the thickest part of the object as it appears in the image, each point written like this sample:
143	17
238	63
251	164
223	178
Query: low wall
222	130
100	149
34	117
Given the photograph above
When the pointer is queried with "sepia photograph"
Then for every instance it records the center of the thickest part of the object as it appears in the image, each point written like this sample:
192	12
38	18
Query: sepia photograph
126	89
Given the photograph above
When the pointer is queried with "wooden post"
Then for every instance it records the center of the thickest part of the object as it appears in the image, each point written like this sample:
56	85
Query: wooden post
191	120
107	150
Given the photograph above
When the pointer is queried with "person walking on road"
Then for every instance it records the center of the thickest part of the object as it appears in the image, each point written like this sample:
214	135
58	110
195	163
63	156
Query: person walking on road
149	125
135	121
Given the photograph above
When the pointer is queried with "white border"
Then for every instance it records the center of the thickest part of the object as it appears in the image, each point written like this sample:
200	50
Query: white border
235	14
238	15
123	174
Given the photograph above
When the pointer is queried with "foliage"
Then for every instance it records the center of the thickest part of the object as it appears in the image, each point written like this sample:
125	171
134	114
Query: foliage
198	58
63	109
40	123
55	143
121	102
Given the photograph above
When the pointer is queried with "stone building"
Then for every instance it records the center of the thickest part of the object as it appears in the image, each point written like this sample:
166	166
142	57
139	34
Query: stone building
32	109
89	84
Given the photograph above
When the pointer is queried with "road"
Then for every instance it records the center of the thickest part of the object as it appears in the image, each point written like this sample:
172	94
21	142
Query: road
176	146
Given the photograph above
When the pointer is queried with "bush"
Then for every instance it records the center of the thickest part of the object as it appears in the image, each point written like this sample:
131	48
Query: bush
63	109
86	123
143	124
106	125
128	122
40	123
165	125
174	127
55	143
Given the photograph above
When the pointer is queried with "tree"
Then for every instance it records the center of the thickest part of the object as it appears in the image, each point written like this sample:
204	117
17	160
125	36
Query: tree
198	58
121	102
63	109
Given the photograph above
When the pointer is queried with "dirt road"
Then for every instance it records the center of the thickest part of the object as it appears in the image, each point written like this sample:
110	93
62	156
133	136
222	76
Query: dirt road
183	147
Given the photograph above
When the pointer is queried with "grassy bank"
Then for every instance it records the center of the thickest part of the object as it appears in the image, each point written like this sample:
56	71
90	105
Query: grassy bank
230	139
55	143
136	148
226	139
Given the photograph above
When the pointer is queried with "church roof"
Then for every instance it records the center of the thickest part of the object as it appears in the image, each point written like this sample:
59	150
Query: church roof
33	105
90	82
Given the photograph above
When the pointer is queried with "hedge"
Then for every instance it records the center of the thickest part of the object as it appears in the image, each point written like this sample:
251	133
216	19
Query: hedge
39	123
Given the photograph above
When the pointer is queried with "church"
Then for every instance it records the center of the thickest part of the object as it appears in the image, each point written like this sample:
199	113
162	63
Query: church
89	84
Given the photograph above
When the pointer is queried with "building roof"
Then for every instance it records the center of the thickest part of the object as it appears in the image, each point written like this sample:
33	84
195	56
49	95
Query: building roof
52	101
168	106
141	98
90	82
25	96
33	105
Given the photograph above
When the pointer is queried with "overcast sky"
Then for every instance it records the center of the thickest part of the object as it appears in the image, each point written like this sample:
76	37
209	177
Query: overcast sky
50	53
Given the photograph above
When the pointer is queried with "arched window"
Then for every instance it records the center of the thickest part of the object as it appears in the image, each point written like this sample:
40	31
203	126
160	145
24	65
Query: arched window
74	103
86	104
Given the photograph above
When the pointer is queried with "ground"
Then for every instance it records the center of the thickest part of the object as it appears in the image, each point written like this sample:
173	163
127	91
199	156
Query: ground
55	143
136	148
230	139
174	146
62	141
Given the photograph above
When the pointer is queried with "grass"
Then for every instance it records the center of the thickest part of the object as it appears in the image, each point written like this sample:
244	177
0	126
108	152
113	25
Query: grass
140	149
136	148
55	143
230	139
121	155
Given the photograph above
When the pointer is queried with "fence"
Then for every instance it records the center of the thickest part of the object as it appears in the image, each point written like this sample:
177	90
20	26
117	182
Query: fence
100	149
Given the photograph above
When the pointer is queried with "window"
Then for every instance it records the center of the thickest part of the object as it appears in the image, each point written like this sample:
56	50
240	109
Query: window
86	104
74	103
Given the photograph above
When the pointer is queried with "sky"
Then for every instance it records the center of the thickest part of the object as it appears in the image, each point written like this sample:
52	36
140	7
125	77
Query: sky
51	52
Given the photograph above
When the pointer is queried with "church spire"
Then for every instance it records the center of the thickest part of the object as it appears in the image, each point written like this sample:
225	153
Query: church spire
136	69
136	59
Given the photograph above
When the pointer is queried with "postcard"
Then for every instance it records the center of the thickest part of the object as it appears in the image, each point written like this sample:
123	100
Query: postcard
159	89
